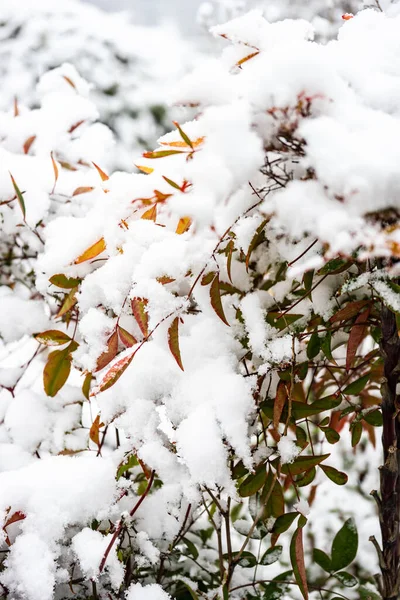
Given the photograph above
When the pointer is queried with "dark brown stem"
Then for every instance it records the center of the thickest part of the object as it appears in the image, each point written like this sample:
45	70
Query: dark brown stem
389	506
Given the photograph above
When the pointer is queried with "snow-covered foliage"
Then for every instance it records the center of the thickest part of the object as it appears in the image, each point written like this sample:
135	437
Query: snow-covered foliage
206	329
130	68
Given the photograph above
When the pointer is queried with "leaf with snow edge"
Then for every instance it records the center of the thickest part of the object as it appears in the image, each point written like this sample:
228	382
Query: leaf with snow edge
126	338
344	546
183	225
356	387
57	369
62	281
173	341
303	463
113	374
164	279
20	198
280	400
357	334
28	143
297	561
69	302
82	190
322	559
350	310
139	312
334	475
346	579
15	518
103	175
109	353
215	295
253	482
52	337
271	555
334	266
94	433
91	252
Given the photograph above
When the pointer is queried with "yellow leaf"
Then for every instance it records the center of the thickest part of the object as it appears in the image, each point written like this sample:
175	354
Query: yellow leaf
246	58
183	225
144	169
82	190
91	252
182	144
151	214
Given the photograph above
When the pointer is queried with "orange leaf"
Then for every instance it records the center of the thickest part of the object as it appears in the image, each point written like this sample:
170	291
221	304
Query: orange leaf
280	400
113	374
215	295
356	336
28	143
110	353
140	314
16	109
246	58
164	279
126	338
183	225
104	176
182	144
144	169
94	432
91	252
55	169
68	80
173	341
82	190
150	214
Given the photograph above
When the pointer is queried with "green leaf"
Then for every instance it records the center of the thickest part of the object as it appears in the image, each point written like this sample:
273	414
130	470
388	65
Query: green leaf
326	345
57	369
277	587
357	386
307	282
331	435
162	153
183	135
356	431
307	478
314	345
62	281
322	559
367	594
253	482
19	197
303	463
191	548
334	265
374	418
346	579
283	522
334	475
191	591
52	337
271	555
247	560
344	546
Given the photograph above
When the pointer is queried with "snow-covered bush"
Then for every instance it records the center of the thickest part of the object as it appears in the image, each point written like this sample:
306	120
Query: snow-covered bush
211	331
130	68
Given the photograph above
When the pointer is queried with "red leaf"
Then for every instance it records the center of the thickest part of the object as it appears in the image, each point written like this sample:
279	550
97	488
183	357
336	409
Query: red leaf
113	374
215	295
140	314
357	334
173	341
297	560
350	310
280	400
126	338
110	353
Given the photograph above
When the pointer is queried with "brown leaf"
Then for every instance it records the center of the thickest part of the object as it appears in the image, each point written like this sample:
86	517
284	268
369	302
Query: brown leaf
110	353
280	400
357	334
68	80
297	560
215	295
55	169
91	252
86	385
350	310
94	432
173	341
140	314
28	143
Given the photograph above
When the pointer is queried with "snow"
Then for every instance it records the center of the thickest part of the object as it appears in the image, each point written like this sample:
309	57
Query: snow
146	592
